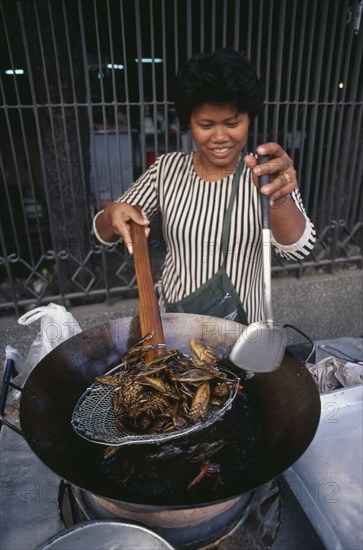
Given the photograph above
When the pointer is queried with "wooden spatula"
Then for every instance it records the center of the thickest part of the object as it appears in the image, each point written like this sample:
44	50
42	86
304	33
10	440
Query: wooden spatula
149	313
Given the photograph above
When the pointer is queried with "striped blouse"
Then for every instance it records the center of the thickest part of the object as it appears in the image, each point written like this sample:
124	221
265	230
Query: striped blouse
192	212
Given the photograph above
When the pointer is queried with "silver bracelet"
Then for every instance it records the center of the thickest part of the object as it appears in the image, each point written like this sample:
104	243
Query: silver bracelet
95	232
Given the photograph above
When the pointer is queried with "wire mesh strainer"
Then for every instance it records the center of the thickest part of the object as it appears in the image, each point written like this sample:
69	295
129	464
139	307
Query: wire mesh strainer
94	418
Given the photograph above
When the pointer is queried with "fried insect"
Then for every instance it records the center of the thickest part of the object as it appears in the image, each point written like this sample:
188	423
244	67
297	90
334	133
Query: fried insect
172	392
203	354
208	468
198	409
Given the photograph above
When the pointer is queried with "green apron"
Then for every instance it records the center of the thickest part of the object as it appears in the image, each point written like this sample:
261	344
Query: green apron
217	296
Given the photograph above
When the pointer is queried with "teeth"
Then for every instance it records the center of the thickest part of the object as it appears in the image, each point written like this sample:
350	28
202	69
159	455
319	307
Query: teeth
222	150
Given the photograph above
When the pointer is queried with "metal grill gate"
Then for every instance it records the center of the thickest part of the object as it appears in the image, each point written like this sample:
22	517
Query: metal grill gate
87	105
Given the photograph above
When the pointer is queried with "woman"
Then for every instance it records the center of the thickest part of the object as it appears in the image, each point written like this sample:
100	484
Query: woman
209	199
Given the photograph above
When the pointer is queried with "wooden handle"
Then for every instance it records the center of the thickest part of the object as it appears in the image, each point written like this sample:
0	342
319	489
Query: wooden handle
149	312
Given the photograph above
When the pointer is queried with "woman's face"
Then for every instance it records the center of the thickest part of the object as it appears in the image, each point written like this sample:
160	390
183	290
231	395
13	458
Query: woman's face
220	133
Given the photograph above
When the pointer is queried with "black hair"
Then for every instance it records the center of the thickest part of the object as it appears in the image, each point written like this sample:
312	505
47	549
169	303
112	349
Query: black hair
224	76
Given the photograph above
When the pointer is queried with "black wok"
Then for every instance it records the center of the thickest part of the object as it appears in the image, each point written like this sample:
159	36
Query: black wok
288	397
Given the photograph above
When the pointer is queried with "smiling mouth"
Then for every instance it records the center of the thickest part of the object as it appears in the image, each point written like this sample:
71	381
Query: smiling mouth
221	149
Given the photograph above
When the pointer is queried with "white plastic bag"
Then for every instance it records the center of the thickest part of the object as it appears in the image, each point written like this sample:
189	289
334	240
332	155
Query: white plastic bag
56	325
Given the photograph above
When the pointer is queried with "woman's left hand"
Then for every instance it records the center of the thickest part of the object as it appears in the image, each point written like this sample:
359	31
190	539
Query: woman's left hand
280	166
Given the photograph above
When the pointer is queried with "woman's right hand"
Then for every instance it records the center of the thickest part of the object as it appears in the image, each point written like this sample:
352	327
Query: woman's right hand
112	223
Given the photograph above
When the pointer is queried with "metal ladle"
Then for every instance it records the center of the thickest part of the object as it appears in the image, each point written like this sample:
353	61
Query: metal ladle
261	346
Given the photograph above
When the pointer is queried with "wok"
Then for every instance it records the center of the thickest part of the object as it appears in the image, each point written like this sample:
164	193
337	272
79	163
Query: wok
288	397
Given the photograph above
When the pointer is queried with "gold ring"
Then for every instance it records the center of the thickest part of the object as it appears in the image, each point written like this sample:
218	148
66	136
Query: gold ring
287	177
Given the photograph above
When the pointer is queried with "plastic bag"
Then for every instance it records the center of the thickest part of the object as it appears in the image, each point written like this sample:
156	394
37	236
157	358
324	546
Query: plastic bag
56	325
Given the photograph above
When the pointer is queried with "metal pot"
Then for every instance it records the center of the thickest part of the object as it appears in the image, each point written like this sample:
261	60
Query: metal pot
288	397
106	535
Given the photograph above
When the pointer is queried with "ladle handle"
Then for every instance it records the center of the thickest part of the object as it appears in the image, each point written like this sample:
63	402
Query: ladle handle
265	200
266	241
149	313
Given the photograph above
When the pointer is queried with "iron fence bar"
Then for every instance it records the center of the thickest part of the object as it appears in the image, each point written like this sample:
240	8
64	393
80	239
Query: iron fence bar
237	15
339	57
358	203
348	191
127	103
88	103
12	221
267	75
249	29
335	208
189	48
189	26
10	210
165	77
153	79
20	185
97	190
76	115
213	25
310	49
350	120
64	123
328	174
318	185
10	279
348	123
103	106
176	61
115	105
289	79
355	203
334	242
278	71
310	164
333	20
19	107
258	68
224	23
141	84
297	85
202	29
357	72
258	46
333	126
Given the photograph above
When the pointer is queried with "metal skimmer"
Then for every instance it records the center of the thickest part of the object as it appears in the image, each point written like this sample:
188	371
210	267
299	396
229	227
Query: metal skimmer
94	418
